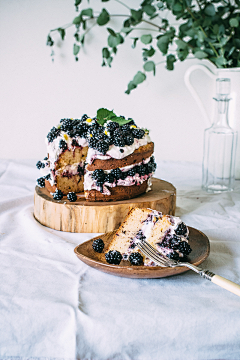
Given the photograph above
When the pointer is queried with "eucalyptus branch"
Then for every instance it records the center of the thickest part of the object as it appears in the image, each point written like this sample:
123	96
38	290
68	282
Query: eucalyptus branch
212	31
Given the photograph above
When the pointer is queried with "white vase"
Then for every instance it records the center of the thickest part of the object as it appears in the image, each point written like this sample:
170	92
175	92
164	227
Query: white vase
234	108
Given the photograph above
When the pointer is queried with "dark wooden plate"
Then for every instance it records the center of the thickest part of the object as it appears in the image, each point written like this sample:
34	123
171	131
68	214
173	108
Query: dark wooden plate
197	240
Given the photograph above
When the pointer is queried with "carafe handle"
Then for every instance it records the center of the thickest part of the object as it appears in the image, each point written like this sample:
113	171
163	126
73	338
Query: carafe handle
193	92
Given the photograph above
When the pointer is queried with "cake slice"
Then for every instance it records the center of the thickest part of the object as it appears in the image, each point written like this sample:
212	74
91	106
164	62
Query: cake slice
166	233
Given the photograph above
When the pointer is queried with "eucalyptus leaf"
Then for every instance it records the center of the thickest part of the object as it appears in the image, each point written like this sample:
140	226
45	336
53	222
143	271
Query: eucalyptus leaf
210	10
234	22
76	49
139	78
200	54
146	39
150	66
103	18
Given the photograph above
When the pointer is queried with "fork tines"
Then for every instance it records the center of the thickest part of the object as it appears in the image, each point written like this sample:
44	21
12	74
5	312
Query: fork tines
153	254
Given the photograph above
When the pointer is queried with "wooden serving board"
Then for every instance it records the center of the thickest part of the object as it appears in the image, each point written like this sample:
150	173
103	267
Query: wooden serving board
99	217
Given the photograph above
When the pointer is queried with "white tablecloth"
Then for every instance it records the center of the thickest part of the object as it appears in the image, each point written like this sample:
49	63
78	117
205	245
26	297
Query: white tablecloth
53	306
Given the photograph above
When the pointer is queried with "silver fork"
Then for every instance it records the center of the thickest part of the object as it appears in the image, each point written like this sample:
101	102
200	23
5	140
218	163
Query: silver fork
163	260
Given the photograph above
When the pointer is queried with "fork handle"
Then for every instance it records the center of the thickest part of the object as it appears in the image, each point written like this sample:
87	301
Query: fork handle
226	284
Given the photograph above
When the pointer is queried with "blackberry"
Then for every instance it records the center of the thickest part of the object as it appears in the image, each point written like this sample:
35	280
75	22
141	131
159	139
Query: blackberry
113	257
98	245
53	134
92	143
63	145
109	178
72	196
75	143
129	140
181	229
151	167
138	133
184	248
124	175
47	177
174	255
40	165
132	122
41	182
67	125
46	158
125	128
84	117
174	242
118	141
102	146
58	195
131	172
141	170
112	126
99	175
136	258
117	173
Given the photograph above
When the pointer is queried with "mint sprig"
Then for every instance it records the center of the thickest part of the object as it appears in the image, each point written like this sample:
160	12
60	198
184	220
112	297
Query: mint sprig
103	115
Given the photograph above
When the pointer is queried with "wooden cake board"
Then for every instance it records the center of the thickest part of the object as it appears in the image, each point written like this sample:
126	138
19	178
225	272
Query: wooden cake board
99	217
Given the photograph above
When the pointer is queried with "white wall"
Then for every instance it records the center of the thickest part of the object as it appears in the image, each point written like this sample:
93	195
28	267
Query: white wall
36	93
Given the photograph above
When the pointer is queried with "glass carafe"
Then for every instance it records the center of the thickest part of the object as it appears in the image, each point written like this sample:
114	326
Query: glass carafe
220	142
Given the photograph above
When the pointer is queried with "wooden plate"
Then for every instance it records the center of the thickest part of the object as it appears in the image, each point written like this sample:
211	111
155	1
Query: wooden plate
197	240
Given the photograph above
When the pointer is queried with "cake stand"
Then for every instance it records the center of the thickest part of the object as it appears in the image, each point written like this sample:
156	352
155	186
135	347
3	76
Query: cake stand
99	217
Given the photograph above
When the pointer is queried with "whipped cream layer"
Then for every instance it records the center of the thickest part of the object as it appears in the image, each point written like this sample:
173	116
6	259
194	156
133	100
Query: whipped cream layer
117	152
91	184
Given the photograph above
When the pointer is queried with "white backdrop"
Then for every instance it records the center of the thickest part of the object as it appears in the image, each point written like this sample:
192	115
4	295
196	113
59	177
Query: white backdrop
36	92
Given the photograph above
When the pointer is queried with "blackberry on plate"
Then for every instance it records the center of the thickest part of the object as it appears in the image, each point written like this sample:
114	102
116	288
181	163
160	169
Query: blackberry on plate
46	158
181	229
41	182
136	258
53	134
184	248
63	145
118	141
129	140
109	178
98	245
113	257
98	174
40	165
58	195
174	255
117	173
138	133
72	196
102	146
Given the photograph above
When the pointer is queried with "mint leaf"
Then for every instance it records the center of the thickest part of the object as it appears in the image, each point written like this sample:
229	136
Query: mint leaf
103	115
120	120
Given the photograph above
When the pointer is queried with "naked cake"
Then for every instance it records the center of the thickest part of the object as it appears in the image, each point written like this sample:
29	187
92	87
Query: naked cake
107	157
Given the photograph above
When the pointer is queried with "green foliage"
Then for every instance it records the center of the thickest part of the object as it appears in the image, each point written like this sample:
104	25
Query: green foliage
103	115
202	29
